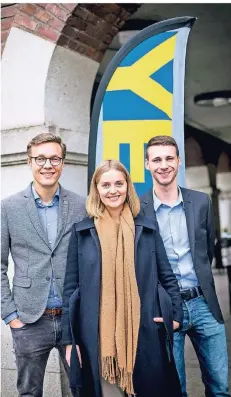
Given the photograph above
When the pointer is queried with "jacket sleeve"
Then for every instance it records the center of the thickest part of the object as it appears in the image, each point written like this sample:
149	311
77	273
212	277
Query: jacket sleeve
210	231
168	279
7	302
71	283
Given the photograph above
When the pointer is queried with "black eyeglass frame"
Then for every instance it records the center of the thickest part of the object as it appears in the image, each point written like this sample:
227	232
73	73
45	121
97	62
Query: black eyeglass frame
47	158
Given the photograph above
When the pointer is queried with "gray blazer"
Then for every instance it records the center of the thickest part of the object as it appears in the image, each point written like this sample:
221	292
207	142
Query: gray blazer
200	224
24	236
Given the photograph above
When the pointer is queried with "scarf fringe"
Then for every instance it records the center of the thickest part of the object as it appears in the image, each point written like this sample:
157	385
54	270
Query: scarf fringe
113	374
110	369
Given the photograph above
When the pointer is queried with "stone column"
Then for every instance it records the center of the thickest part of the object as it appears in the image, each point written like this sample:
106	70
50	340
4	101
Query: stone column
197	178
224	184
212	170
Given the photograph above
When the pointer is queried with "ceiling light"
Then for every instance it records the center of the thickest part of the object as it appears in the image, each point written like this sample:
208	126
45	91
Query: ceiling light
215	99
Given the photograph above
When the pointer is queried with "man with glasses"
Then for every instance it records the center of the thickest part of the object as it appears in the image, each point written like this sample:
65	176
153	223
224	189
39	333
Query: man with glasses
36	226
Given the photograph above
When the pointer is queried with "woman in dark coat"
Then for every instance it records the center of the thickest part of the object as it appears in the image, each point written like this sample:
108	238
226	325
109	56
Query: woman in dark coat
121	300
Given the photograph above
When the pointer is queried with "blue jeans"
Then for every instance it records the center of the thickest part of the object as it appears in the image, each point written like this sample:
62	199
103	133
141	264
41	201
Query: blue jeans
209	341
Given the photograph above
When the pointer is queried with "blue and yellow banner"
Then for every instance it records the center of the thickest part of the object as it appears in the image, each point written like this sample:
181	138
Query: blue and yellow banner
141	95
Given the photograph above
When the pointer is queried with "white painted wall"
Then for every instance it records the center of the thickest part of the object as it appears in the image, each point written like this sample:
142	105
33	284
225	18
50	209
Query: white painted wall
67	107
14	179
44	88
25	64
68	90
75	178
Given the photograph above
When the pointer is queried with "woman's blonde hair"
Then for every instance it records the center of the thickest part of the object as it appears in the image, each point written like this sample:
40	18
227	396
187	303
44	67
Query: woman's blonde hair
94	205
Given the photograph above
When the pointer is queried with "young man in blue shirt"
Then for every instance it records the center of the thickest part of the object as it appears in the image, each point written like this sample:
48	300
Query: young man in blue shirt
185	220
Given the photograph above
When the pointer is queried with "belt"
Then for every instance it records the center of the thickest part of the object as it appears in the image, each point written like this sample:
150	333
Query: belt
54	312
191	293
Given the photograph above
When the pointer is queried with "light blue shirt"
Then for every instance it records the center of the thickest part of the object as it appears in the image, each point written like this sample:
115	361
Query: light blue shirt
174	233
48	214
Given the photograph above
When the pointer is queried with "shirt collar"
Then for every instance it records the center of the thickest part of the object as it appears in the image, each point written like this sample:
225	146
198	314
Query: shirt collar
36	196
157	203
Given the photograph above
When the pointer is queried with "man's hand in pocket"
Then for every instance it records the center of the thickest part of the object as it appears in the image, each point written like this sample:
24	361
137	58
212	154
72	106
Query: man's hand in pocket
16	323
176	325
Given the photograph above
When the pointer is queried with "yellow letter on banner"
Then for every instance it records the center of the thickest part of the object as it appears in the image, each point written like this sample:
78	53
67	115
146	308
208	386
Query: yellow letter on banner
137	77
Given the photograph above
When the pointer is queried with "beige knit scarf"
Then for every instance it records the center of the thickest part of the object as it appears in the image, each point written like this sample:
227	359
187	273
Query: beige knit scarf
120	302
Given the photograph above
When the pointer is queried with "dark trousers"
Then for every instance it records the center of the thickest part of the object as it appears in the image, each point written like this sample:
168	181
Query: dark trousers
32	345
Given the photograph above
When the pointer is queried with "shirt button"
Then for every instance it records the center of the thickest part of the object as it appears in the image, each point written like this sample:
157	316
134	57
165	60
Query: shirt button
48	278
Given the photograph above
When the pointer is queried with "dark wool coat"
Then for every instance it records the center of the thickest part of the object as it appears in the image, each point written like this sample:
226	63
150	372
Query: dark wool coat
154	373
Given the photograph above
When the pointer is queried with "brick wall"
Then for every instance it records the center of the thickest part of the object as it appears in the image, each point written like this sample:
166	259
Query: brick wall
8	12
91	27
84	28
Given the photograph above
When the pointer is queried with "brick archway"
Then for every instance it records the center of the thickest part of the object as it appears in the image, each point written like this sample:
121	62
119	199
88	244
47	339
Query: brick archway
84	28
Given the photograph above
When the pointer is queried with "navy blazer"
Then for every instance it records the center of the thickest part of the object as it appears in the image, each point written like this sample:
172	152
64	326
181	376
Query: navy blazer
200	225
159	295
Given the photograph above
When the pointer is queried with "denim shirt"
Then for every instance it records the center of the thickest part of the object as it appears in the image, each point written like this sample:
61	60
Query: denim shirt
174	233
48	215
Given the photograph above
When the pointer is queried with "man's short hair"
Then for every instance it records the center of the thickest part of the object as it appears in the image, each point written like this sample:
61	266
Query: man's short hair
162	140
46	137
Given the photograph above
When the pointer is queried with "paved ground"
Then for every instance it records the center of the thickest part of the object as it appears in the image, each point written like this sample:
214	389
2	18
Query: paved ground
194	384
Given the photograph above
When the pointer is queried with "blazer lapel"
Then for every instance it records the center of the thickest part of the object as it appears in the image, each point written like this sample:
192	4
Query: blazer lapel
34	217
147	205
63	212
189	213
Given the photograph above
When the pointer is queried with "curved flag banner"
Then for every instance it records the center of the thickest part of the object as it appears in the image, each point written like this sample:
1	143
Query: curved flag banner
141	95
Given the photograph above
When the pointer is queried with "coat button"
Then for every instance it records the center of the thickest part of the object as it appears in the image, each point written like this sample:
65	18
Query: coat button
52	255
48	278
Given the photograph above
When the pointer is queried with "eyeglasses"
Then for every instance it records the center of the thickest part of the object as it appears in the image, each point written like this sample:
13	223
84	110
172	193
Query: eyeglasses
41	161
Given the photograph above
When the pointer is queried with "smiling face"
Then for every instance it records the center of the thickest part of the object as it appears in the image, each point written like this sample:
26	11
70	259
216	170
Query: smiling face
112	189
46	176
163	164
